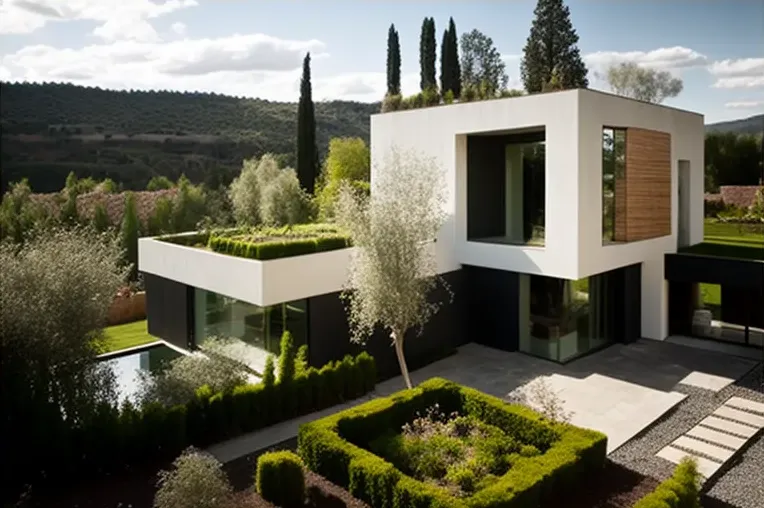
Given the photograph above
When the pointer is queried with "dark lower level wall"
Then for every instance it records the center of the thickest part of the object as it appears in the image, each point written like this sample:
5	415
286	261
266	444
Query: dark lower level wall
169	310
329	334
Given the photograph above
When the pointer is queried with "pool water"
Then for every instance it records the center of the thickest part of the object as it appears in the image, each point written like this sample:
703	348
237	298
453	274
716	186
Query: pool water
127	368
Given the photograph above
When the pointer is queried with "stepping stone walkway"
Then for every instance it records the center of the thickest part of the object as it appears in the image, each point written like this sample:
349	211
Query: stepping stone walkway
717	438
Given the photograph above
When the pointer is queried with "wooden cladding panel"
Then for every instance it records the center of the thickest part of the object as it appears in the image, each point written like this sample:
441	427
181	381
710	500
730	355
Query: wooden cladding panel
648	184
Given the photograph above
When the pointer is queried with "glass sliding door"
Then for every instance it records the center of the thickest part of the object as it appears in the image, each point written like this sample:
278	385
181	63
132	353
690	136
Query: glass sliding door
561	319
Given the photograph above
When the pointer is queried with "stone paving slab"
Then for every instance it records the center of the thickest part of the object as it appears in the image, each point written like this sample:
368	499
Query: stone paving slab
740	416
706	381
716	437
701	447
738	429
748	405
706	467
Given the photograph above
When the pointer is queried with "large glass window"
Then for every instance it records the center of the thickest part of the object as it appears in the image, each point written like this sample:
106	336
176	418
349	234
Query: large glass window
561	319
613	185
257	330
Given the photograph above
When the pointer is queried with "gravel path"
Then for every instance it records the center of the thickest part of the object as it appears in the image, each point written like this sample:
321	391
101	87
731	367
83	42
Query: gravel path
743	483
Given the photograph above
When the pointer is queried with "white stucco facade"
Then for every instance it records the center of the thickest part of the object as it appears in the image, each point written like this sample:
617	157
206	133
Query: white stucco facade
573	122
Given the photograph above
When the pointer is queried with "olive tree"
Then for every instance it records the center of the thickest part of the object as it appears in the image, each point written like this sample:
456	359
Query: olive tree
393	269
642	83
265	193
196	480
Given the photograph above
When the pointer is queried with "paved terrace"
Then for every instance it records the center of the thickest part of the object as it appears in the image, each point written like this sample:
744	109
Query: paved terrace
623	391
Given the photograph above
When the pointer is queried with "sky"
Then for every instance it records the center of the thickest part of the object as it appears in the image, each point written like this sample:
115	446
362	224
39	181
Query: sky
254	48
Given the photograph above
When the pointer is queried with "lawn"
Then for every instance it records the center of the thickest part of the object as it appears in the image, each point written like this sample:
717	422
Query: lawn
721	239
125	336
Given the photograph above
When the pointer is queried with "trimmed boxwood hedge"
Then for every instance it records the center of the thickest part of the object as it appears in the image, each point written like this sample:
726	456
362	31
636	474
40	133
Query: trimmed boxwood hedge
336	448
280	479
277	248
682	490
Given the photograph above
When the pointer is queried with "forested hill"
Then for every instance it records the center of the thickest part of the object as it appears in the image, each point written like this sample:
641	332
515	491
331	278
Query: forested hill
50	129
750	125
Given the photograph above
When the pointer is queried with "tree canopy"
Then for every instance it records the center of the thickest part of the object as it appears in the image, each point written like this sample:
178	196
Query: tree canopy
642	83
481	63
552	45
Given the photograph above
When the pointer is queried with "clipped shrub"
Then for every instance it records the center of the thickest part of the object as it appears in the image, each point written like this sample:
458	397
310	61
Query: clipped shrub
391	103
269	373
301	361
336	447
280	479
682	490
287	358
469	93
448	97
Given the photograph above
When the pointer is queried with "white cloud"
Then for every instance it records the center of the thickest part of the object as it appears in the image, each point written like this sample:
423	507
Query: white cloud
252	65
745	105
674	58
116	19
178	28
738	73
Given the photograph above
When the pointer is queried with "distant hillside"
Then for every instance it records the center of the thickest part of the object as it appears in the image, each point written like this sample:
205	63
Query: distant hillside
750	125
51	129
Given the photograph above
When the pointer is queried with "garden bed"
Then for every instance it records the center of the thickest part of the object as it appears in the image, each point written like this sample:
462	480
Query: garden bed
448	445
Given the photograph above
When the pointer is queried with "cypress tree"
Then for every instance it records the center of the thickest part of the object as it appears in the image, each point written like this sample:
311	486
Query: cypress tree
552	44
445	63
427	55
393	62
455	66
128	235
307	156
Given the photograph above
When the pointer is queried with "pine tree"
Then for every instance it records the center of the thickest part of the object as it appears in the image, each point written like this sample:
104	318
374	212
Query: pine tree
552	44
427	55
307	154
393	62
128	235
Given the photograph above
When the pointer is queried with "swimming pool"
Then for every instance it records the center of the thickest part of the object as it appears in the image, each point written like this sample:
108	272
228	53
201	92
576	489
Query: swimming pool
127	368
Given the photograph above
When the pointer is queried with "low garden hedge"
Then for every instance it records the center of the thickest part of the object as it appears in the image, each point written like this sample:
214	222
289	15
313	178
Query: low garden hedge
115	438
336	447
682	490
280	479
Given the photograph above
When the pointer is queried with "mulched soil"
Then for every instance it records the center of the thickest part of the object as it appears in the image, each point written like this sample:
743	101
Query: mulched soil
616	487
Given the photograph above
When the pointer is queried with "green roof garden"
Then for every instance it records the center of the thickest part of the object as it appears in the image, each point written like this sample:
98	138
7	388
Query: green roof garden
264	243
730	240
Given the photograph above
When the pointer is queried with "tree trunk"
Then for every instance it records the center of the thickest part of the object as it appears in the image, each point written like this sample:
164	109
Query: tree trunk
398	342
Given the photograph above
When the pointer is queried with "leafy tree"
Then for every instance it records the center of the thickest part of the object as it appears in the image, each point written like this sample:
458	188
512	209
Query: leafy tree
196	480
128	235
56	291
427	52
641	83
265	193
393	271
732	159
101	221
178	383
161	221
307	154
450	70
348	160
481	63
158	183
18	213
189	206
393	62
552	44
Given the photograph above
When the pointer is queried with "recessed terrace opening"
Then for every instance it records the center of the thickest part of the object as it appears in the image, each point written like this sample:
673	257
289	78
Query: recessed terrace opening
506	184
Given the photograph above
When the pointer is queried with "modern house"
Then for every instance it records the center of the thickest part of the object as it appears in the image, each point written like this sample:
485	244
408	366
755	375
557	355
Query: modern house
565	214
